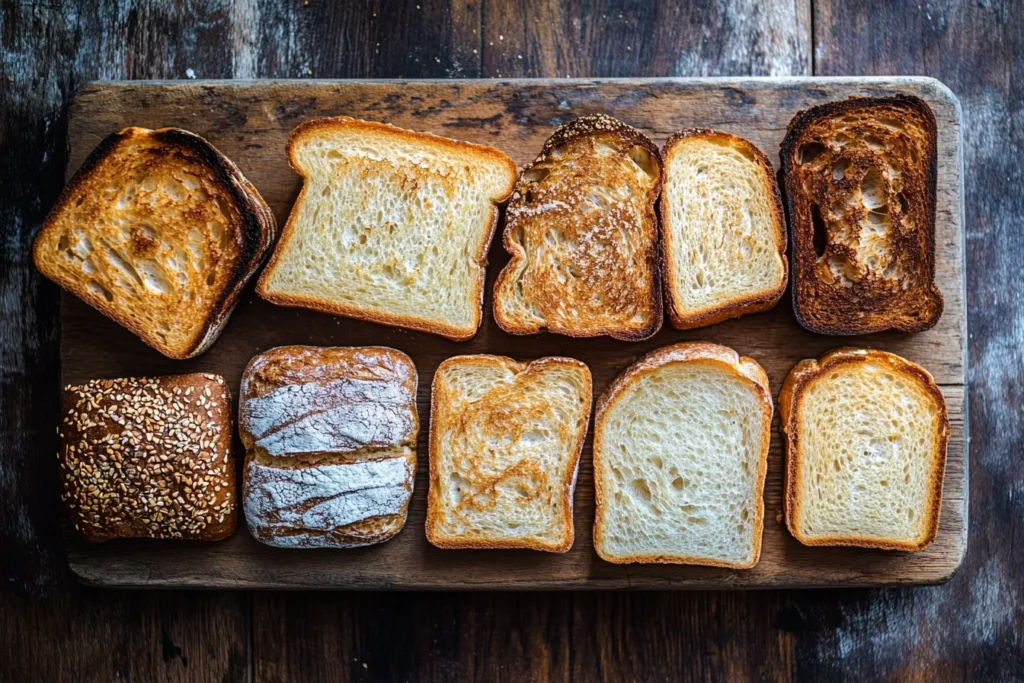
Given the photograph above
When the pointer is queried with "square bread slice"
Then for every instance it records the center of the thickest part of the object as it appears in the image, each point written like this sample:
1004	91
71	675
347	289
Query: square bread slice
680	455
160	232
505	442
391	226
866	434
582	231
723	230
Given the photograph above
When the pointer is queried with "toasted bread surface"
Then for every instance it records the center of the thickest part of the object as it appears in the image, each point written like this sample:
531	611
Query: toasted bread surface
723	229
866	434
160	232
680	455
391	226
860	184
505	443
582	232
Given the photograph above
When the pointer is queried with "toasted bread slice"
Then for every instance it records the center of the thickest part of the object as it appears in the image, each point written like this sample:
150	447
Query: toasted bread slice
583	235
866	434
158	231
723	230
860	182
505	442
391	226
680	455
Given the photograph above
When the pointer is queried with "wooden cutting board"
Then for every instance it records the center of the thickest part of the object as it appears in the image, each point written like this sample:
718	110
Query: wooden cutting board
250	123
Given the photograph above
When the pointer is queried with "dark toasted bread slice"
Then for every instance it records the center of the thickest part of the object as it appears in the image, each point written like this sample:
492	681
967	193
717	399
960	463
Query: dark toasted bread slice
583	234
158	231
723	229
859	181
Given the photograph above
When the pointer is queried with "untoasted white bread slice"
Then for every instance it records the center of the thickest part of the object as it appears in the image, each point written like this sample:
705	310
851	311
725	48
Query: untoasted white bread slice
724	235
160	232
391	226
866	434
505	442
680	453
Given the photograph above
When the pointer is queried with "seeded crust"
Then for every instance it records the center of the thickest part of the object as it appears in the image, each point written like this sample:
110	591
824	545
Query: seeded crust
149	458
606	280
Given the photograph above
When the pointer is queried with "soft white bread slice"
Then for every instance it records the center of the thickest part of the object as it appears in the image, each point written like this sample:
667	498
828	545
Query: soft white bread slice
724	235
160	232
680	452
391	226
866	434
505	442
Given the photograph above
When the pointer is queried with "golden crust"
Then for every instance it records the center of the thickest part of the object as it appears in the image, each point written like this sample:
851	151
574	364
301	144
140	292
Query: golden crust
479	251
799	379
686	352
439	399
740	305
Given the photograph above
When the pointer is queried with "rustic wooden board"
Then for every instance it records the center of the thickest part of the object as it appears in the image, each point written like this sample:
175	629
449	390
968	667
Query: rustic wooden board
250	123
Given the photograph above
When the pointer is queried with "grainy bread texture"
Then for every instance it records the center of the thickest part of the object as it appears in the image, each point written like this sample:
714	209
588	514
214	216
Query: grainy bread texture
160	232
680	454
723	230
505	442
330	439
866	434
583	234
860	184
391	226
149	458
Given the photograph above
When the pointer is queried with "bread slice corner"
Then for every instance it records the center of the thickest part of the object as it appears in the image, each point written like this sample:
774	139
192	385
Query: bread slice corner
865	433
680	456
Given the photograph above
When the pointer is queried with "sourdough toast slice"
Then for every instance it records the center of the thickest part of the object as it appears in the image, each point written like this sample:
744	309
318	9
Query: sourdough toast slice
723	229
583	235
860	183
680	455
866	434
391	226
160	232
505	443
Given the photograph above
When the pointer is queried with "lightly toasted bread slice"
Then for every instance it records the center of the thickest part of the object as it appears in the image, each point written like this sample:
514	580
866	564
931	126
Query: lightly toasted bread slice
723	230
391	226
159	232
680	455
505	443
860	183
866	434
582	231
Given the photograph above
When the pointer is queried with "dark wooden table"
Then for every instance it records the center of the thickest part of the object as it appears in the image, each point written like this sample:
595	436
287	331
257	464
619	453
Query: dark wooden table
52	629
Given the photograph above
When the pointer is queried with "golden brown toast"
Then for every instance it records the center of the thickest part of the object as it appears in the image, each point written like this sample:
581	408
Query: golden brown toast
158	231
860	178
583	234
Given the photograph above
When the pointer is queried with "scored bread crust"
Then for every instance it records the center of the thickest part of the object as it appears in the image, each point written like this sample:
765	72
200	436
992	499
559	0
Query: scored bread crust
581	127
479	250
828	309
256	232
685	352
437	396
741	305
799	379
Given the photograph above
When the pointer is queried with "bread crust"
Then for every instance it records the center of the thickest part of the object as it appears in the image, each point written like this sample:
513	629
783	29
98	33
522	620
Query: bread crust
686	352
799	379
256	232
828	309
438	397
740	305
586	126
479	251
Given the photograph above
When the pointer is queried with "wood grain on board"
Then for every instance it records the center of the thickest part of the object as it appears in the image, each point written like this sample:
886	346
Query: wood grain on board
250	123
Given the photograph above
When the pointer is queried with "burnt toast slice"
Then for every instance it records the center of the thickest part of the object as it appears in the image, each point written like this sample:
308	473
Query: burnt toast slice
582	232
860	183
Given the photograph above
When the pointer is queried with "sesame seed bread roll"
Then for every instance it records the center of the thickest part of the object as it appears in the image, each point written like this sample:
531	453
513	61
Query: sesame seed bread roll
149	458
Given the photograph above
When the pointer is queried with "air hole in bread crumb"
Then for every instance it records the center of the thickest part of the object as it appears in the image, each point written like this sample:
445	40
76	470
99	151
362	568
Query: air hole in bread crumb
535	174
839	169
642	158
820	240
641	488
62	243
678	483
808	152
99	290
904	203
